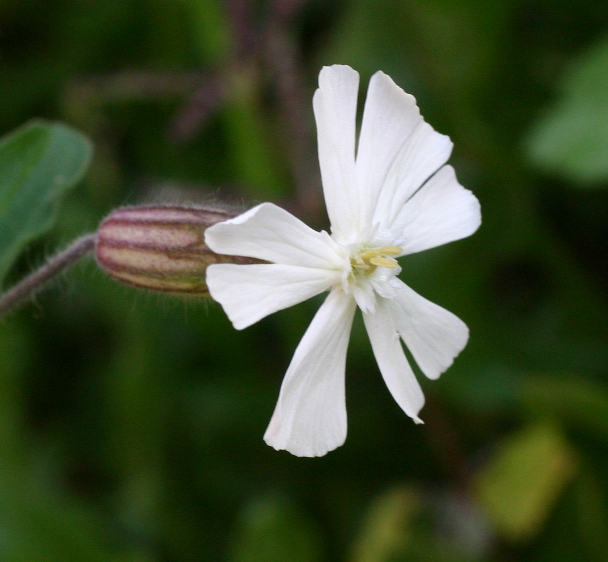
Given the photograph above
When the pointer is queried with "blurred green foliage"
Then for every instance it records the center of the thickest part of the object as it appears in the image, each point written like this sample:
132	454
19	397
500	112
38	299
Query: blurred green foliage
571	138
131	423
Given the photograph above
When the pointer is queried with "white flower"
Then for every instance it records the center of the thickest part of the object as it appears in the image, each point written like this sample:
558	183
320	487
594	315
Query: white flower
396	197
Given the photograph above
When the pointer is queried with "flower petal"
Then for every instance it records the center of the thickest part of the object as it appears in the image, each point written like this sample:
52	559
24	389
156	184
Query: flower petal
249	293
433	335
335	106
389	118
395	369
440	212
270	233
421	155
310	416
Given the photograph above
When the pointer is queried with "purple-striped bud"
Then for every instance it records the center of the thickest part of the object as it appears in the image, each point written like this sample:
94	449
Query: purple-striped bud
161	248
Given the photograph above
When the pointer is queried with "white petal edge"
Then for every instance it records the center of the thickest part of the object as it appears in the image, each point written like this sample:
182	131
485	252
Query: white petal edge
393	364
310	416
433	335
389	118
335	108
440	212
249	293
270	233
422	154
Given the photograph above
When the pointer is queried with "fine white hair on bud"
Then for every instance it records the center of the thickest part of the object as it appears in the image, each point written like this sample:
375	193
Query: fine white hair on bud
161	247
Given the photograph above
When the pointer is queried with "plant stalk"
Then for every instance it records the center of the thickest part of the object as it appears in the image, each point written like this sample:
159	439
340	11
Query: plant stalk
56	265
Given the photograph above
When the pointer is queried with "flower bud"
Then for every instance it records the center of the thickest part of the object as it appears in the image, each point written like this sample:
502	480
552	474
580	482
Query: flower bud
161	248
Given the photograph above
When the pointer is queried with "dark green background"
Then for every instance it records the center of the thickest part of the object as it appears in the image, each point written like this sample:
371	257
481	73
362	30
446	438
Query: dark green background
135	420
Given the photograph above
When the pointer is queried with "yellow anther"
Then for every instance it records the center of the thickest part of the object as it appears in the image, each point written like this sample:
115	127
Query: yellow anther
389	251
382	261
367	262
366	256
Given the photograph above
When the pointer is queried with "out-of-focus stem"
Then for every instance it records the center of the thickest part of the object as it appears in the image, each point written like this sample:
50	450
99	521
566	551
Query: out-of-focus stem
282	57
201	105
31	284
246	34
133	84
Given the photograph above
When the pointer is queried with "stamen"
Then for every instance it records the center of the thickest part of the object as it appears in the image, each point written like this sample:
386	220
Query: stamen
382	261
367	262
389	251
367	255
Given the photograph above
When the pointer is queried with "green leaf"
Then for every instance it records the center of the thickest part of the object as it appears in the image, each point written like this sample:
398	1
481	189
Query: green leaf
39	162
571	139
520	485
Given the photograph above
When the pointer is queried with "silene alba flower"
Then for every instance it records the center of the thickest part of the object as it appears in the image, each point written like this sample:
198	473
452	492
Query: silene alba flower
394	197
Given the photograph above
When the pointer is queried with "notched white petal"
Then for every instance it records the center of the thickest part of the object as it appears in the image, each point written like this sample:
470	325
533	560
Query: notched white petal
440	212
421	155
335	108
395	369
433	335
390	117
310	416
249	293
270	233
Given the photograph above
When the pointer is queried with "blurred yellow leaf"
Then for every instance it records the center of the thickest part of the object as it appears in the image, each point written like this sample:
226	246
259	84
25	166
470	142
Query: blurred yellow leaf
386	527
520	485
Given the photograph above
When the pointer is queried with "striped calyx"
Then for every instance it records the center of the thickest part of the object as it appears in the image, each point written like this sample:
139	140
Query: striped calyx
161	248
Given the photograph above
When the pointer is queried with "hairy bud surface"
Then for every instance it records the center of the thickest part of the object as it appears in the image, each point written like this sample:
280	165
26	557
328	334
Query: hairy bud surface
161	248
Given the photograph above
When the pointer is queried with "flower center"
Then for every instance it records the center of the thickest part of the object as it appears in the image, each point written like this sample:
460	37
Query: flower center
367	261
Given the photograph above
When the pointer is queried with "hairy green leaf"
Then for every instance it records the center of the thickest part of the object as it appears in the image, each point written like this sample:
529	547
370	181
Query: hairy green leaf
39	162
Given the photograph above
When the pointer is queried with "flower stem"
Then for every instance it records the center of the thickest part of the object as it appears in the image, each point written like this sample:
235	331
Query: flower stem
26	288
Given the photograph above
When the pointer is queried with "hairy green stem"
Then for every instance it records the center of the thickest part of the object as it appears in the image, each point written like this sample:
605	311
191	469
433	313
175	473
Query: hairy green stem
28	286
